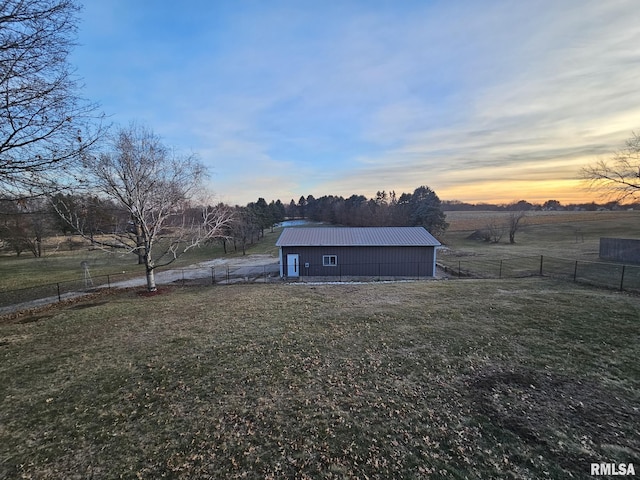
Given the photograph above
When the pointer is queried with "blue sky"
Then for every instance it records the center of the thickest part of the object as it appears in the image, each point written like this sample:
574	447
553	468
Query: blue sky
483	101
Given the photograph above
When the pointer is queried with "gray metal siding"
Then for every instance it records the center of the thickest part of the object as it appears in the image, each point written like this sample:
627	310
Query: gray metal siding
364	261
356	236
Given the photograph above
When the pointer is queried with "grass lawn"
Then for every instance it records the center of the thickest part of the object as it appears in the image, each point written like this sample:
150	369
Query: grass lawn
526	378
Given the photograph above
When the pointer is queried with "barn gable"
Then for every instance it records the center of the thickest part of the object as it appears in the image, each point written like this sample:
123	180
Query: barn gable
357	251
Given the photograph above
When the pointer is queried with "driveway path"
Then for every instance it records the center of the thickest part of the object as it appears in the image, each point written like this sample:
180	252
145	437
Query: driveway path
223	268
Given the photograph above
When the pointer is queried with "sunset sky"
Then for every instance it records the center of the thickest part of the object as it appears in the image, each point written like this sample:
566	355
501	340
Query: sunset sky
483	101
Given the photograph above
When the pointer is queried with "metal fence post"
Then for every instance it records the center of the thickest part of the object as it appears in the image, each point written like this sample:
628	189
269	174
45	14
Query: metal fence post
59	296
575	271
108	281
622	278
541	260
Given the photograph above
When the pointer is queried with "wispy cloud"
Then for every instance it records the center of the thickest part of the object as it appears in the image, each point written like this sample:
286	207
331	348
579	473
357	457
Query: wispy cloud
479	100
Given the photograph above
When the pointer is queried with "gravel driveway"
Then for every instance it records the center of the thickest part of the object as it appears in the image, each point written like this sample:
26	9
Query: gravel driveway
222	269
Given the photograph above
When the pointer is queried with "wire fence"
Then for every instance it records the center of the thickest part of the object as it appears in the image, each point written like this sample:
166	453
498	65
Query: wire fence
601	274
58	291
39	295
609	275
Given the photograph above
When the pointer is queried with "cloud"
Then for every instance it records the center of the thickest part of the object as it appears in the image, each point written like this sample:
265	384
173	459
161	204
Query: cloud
285	99
569	100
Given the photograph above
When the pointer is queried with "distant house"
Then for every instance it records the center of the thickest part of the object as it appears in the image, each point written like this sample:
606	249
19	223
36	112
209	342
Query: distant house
357	252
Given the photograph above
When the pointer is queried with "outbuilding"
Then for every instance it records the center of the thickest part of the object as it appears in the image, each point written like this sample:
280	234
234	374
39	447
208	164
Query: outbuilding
405	252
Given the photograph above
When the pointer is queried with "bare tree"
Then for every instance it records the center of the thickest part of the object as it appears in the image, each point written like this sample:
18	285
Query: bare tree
88	214
155	188
514	222
619	177
25	224
493	232
243	228
44	124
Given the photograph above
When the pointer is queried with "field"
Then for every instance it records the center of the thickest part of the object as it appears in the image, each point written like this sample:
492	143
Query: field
570	235
511	378
527	378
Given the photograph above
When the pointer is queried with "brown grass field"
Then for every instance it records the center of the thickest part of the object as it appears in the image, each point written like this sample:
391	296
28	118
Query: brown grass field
528	378
466	379
562	238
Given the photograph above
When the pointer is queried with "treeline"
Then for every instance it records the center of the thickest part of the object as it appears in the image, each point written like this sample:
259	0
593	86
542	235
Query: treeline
420	208
25	224
524	206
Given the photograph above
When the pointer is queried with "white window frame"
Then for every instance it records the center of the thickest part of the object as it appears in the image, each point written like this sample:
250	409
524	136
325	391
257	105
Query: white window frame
327	260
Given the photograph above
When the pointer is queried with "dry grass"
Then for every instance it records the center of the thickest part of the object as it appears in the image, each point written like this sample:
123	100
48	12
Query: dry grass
470	221
565	235
458	379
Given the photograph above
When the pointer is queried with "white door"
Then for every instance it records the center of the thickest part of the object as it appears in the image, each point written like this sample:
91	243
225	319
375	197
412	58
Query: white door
293	265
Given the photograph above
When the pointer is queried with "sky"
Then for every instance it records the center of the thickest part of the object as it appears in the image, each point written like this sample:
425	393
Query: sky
481	100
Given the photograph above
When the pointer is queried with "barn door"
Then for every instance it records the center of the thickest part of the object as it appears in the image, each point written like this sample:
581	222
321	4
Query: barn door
293	265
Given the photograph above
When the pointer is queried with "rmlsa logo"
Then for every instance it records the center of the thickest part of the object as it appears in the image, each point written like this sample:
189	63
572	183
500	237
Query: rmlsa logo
612	469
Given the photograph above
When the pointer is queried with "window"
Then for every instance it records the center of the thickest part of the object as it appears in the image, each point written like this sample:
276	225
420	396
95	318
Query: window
329	260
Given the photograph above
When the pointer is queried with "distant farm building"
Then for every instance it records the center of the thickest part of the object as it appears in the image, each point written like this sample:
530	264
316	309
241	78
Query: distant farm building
625	250
357	252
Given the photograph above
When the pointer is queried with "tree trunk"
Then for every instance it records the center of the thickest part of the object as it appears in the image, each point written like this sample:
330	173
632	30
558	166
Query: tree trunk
150	267
151	280
141	251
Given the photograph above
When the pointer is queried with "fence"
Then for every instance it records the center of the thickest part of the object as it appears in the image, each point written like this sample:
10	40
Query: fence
609	275
13	300
338	270
56	292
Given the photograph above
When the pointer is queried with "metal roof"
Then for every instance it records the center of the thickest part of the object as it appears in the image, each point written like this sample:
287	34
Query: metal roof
356	237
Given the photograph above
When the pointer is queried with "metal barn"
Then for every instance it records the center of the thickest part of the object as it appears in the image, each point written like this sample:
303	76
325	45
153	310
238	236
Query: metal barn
357	252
